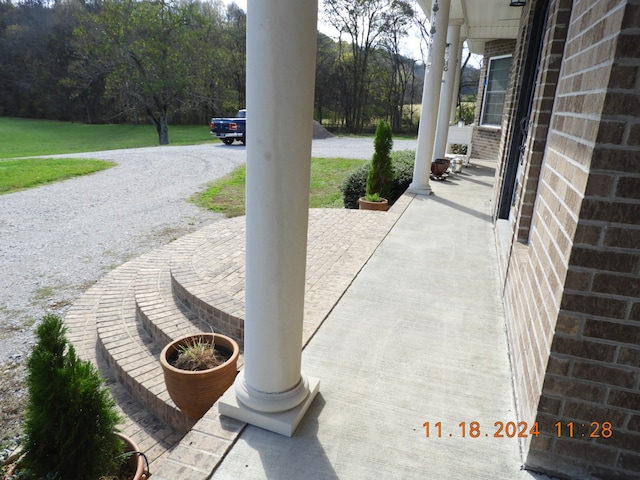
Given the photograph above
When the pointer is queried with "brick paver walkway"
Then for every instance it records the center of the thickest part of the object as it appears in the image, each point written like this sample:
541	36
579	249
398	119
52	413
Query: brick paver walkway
123	322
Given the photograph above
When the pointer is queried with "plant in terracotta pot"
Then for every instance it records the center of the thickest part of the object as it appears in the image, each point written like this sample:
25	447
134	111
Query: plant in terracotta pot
70	420
198	369
380	178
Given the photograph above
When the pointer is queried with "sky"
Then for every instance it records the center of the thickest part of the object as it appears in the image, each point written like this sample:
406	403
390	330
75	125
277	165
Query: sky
412	42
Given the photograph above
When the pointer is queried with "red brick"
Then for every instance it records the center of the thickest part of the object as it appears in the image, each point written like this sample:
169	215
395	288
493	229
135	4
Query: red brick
629	187
583	348
603	260
599	185
623	77
634	423
613	212
605	375
612	331
587	413
587	234
588	304
579	448
628	46
621	439
549	405
629	356
615	159
623	285
558	366
629	461
624	399
567	323
610	132
570	388
622	237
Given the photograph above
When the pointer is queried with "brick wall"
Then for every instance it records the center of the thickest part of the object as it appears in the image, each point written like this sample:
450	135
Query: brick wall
533	267
486	140
572	288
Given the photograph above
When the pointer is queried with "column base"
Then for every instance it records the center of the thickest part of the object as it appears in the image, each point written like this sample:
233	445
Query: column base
420	189
284	422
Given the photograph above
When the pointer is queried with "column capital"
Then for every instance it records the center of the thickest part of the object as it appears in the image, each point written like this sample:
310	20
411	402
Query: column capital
456	22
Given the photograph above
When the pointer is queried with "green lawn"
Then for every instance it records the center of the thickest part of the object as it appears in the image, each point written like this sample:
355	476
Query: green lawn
26	173
27	138
327	174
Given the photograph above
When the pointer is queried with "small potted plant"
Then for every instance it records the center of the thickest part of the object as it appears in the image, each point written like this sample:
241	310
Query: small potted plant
70	420
198	369
380	178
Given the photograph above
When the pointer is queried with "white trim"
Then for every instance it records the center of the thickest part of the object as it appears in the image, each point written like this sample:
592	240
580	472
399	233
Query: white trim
484	92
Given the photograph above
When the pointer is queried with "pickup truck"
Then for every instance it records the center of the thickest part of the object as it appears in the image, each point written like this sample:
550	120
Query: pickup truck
230	129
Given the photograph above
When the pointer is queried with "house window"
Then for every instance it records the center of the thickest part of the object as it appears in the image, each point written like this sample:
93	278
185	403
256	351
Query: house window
495	90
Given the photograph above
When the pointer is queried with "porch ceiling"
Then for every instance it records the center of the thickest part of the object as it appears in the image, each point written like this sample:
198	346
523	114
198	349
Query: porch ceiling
484	20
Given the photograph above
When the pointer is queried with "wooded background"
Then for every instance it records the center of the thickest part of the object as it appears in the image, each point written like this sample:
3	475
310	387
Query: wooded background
183	61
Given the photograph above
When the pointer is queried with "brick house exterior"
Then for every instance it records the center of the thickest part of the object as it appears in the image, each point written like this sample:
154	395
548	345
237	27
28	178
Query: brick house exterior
486	139
567	216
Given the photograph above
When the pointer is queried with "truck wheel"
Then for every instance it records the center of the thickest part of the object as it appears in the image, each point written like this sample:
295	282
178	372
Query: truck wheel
244	139
227	141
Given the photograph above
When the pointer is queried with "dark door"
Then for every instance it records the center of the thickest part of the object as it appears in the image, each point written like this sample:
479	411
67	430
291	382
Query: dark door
524	106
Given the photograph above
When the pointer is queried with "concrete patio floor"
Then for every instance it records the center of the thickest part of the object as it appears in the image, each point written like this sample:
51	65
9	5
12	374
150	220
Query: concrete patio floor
419	336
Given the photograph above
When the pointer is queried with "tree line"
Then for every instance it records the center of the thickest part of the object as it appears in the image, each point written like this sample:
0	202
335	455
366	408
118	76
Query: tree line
183	61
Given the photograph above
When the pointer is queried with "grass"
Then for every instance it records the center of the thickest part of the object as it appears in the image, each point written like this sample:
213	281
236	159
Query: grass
27	138
226	195
327	174
27	173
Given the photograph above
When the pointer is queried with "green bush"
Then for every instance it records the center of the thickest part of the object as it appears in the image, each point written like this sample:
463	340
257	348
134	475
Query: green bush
354	185
70	416
402	172
380	175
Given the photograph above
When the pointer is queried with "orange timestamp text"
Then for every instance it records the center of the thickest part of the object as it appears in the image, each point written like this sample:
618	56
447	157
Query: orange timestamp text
518	430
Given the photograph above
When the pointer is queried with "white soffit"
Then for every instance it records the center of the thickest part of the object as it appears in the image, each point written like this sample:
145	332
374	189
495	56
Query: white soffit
484	20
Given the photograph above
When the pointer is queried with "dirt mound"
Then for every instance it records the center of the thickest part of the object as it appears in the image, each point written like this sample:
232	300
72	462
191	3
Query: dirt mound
320	132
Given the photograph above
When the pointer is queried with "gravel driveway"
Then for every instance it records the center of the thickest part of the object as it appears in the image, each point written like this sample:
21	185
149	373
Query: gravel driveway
59	239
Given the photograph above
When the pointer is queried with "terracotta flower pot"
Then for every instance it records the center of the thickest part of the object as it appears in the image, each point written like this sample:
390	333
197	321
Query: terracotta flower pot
136	461
194	392
381	206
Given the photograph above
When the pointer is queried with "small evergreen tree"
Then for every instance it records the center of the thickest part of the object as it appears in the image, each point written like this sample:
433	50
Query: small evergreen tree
70	416
380	177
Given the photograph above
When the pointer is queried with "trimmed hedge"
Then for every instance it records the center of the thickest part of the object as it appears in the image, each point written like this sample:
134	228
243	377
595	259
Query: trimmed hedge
354	186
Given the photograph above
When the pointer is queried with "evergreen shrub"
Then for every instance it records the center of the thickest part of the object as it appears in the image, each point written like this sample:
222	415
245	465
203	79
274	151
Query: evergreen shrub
354	185
70	418
380	175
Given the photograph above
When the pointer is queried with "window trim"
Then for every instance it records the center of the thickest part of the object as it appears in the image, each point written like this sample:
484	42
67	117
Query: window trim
484	93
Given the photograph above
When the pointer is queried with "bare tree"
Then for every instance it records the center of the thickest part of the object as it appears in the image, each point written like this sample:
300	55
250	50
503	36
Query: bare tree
362	22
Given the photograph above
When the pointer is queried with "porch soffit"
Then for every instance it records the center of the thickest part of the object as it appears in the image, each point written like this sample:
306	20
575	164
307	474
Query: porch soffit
484	20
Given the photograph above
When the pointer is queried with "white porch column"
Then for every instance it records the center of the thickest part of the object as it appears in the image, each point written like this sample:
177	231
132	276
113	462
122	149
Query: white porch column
446	93
456	83
430	100
271	391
